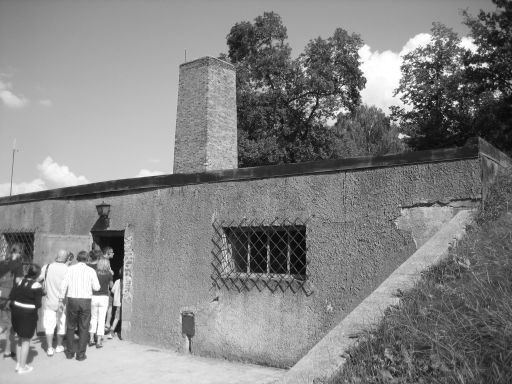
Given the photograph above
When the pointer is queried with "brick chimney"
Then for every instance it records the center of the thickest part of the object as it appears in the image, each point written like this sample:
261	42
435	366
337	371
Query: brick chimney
206	137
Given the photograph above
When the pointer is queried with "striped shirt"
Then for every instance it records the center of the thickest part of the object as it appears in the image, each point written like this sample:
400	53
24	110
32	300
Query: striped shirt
79	282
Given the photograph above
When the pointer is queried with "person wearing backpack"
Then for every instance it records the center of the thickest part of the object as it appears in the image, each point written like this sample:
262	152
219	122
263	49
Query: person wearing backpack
25	299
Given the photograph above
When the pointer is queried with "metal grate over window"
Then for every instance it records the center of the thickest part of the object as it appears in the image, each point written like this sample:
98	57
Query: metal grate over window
258	255
20	239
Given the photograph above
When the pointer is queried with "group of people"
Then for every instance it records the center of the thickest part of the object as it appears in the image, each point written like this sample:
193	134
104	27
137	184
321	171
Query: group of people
76	296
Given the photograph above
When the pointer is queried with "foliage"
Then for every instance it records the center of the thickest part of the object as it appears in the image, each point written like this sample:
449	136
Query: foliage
368	132
437	102
491	66
451	93
455	326
490	72
284	104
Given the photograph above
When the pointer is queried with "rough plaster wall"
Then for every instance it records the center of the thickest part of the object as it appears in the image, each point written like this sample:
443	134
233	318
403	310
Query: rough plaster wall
352	238
46	245
58	217
354	244
490	169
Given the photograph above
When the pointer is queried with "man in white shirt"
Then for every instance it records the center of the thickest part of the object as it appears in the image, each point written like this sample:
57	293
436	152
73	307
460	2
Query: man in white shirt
53	315
77	286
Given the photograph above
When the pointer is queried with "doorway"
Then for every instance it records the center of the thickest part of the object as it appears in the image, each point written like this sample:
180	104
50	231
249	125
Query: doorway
114	239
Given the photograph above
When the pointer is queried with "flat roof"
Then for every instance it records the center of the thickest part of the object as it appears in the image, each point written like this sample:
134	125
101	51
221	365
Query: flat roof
141	184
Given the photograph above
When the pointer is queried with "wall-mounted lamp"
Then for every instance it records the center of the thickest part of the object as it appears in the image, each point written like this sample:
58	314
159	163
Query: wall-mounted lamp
103	211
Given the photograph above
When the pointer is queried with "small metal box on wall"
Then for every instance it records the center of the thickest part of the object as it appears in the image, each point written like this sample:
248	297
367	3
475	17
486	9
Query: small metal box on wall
188	323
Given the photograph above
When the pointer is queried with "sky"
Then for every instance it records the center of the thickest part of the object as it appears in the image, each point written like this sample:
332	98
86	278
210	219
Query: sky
88	88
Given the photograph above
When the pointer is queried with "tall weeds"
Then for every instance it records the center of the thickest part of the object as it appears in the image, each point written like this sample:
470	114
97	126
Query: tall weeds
455	326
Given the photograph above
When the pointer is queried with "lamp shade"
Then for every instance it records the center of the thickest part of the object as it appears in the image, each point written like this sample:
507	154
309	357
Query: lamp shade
103	209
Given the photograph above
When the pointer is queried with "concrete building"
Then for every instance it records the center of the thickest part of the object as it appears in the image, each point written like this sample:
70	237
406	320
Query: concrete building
253	264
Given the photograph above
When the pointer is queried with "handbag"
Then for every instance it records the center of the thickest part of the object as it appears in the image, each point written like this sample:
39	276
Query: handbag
44	281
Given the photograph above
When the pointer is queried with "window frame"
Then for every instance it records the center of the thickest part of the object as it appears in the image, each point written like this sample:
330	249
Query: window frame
266	231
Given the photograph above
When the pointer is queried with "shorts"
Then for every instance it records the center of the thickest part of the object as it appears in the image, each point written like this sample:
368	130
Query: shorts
52	319
24	321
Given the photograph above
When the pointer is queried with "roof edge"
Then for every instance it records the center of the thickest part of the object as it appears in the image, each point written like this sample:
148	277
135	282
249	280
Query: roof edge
101	189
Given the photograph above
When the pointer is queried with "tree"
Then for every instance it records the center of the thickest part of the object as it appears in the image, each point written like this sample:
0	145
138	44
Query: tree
451	93
491	66
438	102
368	132
490	72
284	104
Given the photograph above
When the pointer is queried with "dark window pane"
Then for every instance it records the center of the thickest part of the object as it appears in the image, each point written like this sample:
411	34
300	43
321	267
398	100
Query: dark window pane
298	252
258	247
278	252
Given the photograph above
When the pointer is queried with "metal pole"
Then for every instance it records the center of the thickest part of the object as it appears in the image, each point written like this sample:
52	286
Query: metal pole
12	164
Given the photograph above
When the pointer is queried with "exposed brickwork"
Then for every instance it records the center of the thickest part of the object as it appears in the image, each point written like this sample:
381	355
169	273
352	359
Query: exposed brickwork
206	117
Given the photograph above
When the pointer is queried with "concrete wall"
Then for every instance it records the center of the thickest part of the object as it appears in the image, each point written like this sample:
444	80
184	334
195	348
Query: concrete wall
46	245
353	239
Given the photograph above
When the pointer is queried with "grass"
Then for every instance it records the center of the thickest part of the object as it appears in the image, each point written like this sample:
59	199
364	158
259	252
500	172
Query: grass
455	326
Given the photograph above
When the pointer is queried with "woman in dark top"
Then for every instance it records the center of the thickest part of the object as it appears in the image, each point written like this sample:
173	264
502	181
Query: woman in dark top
11	272
99	303
25	301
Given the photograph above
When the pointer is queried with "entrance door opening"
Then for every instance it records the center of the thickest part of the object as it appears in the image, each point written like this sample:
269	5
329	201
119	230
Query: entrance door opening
114	239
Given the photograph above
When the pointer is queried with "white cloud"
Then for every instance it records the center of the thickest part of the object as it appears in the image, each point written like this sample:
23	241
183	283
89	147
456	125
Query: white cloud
382	70
45	102
9	98
469	44
32	186
414	42
58	176
146	172
51	175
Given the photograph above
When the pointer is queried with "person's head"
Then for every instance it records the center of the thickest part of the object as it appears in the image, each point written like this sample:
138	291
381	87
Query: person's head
62	256
108	252
15	252
82	256
33	271
94	256
71	257
103	266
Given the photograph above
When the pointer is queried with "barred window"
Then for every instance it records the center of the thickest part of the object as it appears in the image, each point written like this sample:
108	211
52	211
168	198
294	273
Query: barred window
260	255
22	240
267	250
